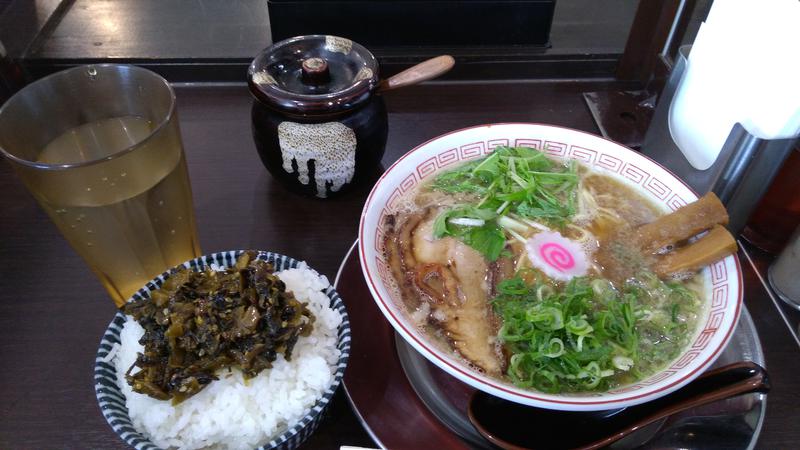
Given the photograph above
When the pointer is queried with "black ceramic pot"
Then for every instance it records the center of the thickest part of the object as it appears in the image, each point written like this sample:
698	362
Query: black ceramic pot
318	123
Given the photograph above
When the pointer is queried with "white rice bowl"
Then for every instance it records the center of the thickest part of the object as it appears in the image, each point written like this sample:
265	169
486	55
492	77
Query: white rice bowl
231	413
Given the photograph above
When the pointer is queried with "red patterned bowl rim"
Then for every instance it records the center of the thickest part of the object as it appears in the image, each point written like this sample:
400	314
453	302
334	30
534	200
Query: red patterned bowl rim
720	319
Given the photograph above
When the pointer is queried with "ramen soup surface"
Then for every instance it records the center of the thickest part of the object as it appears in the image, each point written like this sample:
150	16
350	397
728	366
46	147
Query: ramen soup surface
513	263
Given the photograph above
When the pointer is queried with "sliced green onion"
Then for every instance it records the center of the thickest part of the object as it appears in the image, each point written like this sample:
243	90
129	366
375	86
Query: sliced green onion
587	334
555	348
579	343
502	207
466	221
510	224
622	362
532	223
601	287
546	317
516	178
579	326
516	235
544	291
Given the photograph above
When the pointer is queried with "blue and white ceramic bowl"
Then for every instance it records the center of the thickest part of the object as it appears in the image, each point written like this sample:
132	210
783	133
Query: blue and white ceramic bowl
112	400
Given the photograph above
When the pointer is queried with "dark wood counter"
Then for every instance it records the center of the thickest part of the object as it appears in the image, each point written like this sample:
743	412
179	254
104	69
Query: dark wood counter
53	311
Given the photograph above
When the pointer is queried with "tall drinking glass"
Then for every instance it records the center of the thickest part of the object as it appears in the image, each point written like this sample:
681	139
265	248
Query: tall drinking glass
100	150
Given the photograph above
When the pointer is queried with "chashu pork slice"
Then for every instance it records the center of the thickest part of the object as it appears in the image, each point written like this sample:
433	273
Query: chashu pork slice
454	276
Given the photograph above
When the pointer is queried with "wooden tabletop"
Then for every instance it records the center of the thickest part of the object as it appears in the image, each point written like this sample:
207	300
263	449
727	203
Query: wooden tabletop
53	311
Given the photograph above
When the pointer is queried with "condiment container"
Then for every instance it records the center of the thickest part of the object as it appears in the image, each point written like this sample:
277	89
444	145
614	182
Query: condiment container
318	122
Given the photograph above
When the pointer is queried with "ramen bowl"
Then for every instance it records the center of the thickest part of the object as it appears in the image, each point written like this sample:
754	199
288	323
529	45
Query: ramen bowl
722	280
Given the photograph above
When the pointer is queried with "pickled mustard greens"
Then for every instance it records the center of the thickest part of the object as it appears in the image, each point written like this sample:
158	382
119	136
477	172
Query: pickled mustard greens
512	180
588	336
202	322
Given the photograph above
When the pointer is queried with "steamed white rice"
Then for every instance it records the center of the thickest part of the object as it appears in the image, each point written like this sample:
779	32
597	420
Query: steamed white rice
232	413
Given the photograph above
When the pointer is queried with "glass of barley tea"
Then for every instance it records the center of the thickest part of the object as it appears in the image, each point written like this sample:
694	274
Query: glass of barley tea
99	148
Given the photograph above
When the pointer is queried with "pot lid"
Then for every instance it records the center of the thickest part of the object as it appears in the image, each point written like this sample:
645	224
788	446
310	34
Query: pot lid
313	75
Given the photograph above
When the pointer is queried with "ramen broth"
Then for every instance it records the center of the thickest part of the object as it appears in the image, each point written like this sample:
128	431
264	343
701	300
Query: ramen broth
592	332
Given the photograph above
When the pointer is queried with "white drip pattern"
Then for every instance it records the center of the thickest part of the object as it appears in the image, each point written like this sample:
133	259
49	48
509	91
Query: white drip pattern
331	145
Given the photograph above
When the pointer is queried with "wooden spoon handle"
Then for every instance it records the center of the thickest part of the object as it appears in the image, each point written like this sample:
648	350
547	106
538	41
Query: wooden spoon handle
423	71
